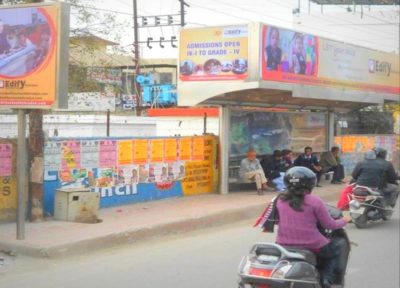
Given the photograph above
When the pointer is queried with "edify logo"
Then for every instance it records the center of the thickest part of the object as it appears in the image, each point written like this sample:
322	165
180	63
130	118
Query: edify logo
12	84
381	67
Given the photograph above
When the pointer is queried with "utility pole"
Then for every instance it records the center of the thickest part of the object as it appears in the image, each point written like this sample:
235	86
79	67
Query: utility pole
137	55
35	152
183	4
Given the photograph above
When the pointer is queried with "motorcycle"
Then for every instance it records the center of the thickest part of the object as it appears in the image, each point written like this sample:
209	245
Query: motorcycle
271	265
367	204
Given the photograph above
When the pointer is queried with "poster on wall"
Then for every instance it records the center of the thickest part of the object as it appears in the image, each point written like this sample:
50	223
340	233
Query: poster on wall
5	159
198	148
171	149
125	152
269	131
108	153
52	154
185	148
71	154
156	150
90	153
219	53
140	151
127	175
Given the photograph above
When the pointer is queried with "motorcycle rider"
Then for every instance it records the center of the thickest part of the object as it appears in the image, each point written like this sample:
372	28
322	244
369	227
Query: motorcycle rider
300	212
377	173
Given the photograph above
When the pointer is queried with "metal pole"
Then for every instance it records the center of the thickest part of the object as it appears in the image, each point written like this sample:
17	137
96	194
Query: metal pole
137	54
108	122
224	135
205	124
183	4
21	173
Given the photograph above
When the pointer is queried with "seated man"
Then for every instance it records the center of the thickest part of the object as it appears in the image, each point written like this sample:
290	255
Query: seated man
250	169
311	162
274	169
330	161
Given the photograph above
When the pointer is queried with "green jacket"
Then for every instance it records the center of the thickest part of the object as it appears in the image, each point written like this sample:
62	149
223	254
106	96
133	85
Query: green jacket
328	160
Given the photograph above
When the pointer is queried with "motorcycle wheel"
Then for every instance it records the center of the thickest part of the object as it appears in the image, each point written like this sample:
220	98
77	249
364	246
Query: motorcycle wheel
361	222
387	216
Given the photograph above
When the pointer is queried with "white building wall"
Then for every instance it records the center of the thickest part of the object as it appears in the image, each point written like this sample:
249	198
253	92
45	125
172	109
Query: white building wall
120	126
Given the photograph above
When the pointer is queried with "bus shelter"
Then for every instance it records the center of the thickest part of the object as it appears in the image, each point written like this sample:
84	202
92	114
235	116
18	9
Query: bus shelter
256	66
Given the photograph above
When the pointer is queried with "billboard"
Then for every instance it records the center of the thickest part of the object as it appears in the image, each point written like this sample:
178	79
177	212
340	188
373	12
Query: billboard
294	57
32	59
219	53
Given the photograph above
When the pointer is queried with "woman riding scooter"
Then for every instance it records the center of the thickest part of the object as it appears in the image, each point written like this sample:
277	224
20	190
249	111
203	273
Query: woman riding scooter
300	213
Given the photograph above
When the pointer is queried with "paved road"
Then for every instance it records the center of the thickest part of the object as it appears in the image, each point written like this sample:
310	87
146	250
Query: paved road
207	258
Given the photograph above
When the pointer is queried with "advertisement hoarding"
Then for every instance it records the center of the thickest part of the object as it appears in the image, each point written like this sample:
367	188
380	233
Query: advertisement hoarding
294	57
34	56
219	53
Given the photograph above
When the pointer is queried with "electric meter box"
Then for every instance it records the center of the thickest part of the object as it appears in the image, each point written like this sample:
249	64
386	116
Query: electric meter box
76	205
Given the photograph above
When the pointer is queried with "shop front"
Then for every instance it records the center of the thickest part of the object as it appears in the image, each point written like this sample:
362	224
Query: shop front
278	88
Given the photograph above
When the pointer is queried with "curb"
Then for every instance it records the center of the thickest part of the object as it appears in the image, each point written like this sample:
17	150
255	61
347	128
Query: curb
136	235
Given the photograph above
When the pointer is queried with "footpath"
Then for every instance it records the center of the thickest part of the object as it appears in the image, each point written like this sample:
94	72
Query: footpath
141	221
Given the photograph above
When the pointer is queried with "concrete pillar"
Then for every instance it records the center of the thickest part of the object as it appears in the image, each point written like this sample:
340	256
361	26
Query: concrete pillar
224	142
330	139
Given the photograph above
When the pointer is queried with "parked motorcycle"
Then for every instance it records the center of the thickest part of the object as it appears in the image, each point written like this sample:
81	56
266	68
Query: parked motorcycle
270	265
367	204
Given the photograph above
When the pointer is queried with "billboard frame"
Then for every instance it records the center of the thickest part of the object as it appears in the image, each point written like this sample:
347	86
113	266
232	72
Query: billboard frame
60	99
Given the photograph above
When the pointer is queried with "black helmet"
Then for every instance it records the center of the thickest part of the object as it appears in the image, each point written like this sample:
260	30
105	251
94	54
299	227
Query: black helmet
380	152
300	178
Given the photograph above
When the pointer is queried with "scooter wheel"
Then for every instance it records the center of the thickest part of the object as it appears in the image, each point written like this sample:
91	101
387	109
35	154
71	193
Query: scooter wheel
361	222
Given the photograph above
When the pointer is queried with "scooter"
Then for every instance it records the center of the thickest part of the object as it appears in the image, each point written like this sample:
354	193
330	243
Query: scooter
270	265
367	204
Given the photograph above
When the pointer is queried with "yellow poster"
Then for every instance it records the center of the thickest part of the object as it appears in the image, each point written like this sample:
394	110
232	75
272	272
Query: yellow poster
8	198
171	149
157	150
198	178
198	148
125	152
216	53
28	63
185	148
140	151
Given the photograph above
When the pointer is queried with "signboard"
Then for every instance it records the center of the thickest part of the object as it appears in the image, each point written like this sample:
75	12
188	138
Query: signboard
294	57
33	55
219	53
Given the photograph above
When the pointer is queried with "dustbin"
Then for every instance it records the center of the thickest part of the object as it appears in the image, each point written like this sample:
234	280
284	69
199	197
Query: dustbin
76	205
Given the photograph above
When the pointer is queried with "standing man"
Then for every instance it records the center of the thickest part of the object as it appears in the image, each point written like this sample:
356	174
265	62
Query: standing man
330	161
250	169
307	159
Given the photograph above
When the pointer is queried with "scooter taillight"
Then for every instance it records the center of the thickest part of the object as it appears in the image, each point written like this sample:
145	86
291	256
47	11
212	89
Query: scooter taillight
358	198
261	272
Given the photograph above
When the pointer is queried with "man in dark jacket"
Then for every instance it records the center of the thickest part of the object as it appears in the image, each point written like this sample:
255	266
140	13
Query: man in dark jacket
376	172
274	170
307	159
330	161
